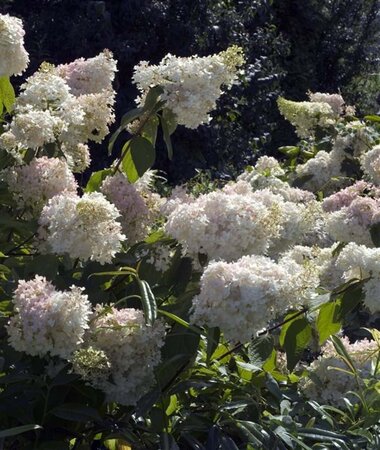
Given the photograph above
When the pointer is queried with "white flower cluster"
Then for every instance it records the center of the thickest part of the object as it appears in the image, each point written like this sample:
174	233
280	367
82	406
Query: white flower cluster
14	58
225	224
359	261
191	85
68	105
48	321
352	213
334	100
121	355
236	221
265	175
243	296
89	76
306	116
327	384
34	184
138	212
370	163
82	227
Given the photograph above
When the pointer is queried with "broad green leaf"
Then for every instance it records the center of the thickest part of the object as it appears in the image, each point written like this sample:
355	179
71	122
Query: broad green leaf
350	299
261	349
294	338
148	301
289	150
18	430
372	118
213	335
166	135
96	180
130	116
152	98
327	322
127	165
140	156
149	131
170	120
7	93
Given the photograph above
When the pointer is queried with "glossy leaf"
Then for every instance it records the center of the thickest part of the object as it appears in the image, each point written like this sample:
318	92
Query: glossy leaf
327	322
96	180
294	338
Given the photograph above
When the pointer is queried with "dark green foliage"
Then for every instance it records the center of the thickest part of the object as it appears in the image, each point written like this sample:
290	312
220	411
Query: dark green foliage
291	47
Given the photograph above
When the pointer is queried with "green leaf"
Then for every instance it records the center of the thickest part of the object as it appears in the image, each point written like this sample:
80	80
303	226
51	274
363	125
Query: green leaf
152	98
213	335
350	299
327	322
166	135
180	321
294	338
7	93
96	180
261	349
140	156
372	118
149	131
18	430
341	350
375	234
130	116
289	150
125	120
148	302
170	120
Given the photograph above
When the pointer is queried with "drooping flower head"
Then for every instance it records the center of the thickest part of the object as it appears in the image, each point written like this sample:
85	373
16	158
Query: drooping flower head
14	58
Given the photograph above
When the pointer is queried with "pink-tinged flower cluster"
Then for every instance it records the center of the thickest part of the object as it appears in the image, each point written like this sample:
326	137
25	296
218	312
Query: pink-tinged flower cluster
34	184
345	197
82	227
48	321
352	222
89	76
335	101
137	212
14	58
127	349
69	105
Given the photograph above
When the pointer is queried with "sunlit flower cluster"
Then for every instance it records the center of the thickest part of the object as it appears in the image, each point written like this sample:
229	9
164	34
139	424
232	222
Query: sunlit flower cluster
191	85
34	184
82	227
306	116
138	211
48	321
14	58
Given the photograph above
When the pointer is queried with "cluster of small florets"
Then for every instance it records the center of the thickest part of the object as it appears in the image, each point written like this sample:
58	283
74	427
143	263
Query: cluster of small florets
14	58
243	296
370	163
234	215
34	184
361	262
351	213
136	216
48	321
334	100
306	116
329	381
89	76
265	175
191	85
82	227
57	105
128	350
